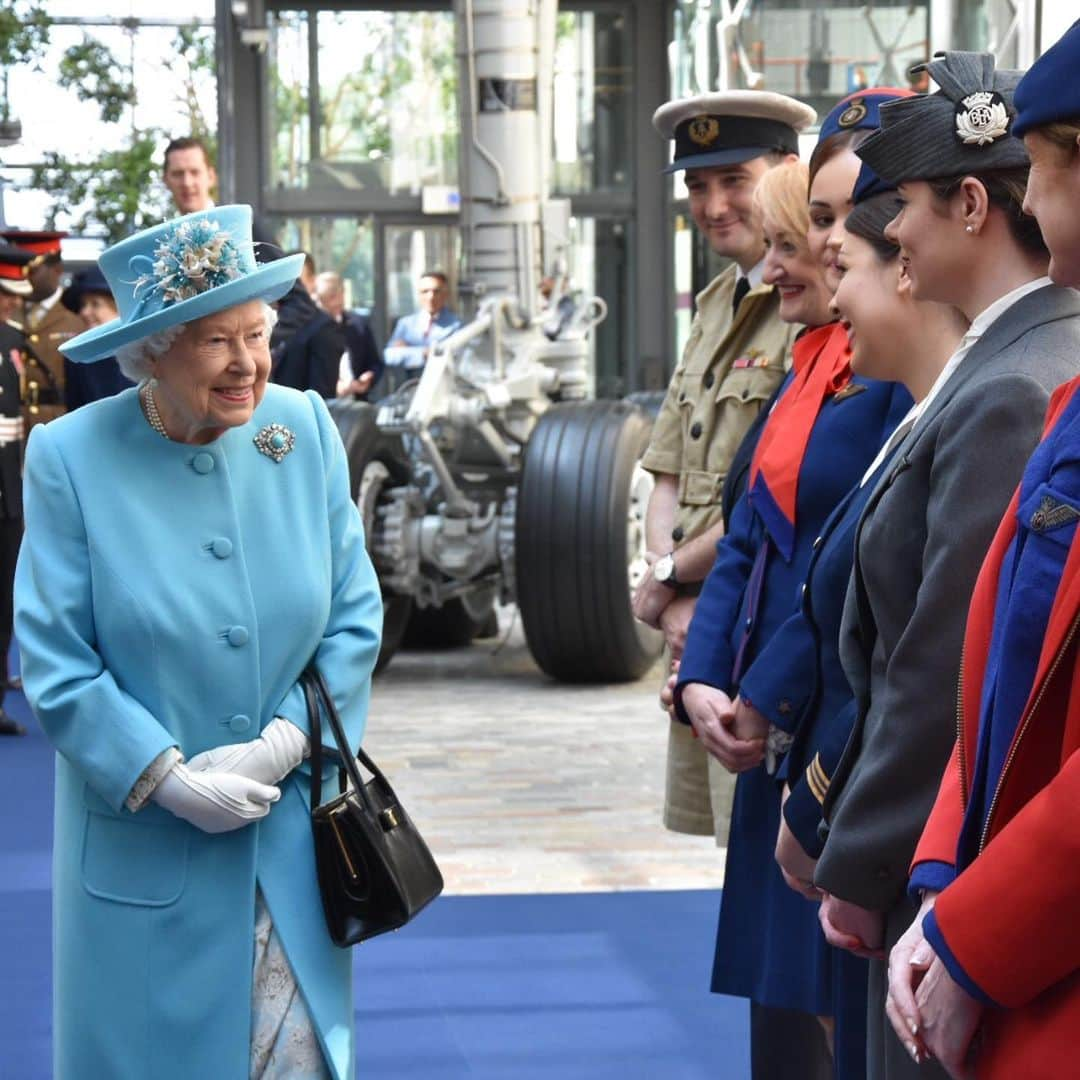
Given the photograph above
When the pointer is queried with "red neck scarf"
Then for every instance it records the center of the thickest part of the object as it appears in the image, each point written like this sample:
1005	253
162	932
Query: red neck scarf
821	358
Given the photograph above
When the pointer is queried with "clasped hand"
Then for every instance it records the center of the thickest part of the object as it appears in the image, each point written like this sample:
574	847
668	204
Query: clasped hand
732	734
230	786
932	1015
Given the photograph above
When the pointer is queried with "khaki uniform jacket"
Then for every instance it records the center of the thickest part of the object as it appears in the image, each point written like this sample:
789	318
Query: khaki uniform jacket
43	391
729	369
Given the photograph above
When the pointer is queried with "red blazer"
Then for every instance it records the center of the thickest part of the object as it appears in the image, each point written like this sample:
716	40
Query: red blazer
1011	917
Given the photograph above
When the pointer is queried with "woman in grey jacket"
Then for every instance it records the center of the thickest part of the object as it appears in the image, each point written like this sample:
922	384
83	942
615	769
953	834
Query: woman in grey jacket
965	242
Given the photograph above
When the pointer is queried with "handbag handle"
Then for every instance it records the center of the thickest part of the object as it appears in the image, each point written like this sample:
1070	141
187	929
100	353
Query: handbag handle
316	693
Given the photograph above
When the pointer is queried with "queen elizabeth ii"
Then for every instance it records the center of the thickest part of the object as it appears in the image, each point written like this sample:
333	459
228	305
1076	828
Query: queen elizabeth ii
190	546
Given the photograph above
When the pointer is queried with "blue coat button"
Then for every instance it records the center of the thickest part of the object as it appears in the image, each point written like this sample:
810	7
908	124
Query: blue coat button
203	462
221	547
237	636
239	723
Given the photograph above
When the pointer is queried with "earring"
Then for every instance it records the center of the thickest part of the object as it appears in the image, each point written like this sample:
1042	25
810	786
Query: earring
969	229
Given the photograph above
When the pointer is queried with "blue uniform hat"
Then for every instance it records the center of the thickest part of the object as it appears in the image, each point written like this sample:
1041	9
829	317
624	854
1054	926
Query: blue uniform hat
859	111
1050	90
869	184
174	273
87	281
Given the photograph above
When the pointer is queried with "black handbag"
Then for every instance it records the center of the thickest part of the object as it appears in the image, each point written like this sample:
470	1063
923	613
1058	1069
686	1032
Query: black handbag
375	871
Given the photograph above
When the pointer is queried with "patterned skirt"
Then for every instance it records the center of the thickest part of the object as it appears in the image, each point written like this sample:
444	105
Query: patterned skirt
284	1045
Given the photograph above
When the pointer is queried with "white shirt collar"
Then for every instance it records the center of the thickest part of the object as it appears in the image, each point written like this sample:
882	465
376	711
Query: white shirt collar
986	318
754	274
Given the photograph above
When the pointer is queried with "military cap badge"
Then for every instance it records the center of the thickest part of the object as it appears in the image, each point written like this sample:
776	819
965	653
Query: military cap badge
981	118
853	114
704	130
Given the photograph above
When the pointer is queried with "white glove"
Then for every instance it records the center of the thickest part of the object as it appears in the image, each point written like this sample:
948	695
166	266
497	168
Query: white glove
215	802
268	759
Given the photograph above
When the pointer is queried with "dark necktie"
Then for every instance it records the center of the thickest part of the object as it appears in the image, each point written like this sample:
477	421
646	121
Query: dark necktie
742	287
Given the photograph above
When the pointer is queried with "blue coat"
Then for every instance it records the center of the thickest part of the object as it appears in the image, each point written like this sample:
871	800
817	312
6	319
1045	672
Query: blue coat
409	344
769	946
169	594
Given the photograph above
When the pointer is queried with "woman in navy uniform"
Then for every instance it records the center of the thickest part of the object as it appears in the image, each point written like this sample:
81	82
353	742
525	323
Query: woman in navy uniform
986	978
930	518
769	947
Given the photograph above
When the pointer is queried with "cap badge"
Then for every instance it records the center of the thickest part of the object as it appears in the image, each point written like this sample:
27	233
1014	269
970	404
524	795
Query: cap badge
704	130
981	118
853	114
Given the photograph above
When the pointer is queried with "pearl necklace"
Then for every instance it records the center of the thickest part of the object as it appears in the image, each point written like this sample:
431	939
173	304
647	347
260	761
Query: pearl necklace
150	410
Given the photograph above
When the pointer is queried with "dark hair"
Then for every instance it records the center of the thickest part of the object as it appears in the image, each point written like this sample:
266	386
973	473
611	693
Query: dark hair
1062	133
834	144
1005	188
438	275
188	142
868	220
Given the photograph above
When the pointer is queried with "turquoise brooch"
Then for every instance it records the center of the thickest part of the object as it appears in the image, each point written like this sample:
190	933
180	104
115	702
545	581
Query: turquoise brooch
275	441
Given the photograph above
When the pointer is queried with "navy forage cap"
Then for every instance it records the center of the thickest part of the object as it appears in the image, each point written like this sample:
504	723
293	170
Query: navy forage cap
731	126
961	128
1050	91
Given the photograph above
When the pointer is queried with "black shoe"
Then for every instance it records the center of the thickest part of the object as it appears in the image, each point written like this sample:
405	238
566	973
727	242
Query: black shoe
9	726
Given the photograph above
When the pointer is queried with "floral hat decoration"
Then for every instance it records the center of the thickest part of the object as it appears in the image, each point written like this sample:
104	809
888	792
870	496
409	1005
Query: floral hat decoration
183	270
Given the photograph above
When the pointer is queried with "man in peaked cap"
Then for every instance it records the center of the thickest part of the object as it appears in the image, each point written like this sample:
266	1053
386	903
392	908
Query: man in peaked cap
48	324
14	287
733	362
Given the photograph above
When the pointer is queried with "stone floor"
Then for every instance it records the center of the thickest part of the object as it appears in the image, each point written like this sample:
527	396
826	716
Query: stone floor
520	784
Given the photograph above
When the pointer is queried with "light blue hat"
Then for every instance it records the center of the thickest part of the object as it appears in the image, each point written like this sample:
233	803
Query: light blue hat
189	267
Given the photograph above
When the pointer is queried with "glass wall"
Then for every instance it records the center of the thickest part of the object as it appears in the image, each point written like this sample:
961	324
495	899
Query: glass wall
593	130
345	245
384	119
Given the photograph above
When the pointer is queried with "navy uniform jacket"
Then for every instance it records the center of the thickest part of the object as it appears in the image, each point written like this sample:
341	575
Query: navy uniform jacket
84	383
801	666
769	946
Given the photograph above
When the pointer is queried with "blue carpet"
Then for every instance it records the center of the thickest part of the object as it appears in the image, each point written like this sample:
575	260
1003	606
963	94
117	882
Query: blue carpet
590	986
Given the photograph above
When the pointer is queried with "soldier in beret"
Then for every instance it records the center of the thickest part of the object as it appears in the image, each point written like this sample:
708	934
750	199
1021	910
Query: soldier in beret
965	242
48	325
734	360
14	289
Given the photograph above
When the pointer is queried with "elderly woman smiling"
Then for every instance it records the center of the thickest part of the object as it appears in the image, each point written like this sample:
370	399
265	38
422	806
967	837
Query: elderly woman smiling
190	547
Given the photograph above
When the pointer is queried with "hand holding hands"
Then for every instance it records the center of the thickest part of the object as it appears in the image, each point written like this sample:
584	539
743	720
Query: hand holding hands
749	723
650	597
675	623
267	759
908	962
712	716
848	926
215	802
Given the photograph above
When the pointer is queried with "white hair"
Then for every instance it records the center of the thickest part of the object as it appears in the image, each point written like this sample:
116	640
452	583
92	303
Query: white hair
136	358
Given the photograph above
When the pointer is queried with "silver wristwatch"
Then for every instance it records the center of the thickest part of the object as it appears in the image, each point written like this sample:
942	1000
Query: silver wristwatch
664	570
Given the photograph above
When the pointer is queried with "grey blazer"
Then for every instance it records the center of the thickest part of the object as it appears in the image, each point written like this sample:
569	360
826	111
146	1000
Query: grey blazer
918	549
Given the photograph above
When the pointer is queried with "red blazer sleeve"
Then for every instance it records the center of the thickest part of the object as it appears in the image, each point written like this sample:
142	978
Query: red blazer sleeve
1010	917
938	842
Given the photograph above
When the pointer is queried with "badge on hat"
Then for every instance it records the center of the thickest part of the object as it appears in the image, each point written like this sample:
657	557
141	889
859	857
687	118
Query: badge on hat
704	130
853	114
981	118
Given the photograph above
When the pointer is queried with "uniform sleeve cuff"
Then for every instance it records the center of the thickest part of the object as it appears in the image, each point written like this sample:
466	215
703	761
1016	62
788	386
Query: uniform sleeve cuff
802	812
932	876
932	933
